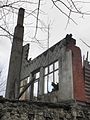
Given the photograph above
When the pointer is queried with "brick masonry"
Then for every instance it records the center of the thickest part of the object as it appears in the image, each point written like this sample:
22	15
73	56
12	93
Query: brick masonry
78	75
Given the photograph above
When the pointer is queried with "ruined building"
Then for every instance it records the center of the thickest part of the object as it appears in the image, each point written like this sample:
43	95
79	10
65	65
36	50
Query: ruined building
53	86
55	76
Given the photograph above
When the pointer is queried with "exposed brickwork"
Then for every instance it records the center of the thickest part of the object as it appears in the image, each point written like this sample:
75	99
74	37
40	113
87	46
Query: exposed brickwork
78	78
87	79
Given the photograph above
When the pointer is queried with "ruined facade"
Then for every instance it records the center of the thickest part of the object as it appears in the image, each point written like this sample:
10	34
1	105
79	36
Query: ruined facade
54	76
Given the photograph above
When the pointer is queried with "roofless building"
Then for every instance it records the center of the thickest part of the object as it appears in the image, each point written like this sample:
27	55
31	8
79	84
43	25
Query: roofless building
54	76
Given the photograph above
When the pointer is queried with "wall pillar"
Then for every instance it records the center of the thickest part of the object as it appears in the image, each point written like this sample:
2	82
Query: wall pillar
41	82
65	76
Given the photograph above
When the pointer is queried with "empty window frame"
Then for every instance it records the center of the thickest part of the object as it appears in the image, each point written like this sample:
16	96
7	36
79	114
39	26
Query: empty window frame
23	83
36	84
51	74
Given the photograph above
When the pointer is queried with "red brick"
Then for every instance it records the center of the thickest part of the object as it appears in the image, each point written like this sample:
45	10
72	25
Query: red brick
78	77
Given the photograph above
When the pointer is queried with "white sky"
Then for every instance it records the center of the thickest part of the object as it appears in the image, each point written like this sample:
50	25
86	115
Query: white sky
57	31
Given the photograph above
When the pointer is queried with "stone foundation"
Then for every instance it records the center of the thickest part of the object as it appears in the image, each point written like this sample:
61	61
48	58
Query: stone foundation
24	110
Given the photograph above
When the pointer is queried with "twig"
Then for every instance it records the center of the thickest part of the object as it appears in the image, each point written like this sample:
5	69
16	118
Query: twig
37	18
63	12
85	43
68	19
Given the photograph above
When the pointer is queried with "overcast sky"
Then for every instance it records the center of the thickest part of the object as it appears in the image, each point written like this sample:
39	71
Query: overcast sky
58	31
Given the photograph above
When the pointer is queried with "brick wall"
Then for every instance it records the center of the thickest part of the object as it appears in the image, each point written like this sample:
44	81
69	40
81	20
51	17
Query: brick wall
78	76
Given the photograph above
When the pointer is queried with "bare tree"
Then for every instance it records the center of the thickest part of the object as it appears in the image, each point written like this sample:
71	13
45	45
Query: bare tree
34	10
33	22
2	81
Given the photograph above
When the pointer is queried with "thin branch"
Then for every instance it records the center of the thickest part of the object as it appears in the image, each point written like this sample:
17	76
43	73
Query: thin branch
39	43
7	5
69	3
76	7
63	12
68	19
6	31
77	11
85	43
3	82
31	13
81	2
37	18
6	23
66	6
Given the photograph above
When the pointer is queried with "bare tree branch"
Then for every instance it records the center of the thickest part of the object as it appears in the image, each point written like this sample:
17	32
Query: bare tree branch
12	3
13	6
81	2
6	31
85	43
37	18
63	12
68	19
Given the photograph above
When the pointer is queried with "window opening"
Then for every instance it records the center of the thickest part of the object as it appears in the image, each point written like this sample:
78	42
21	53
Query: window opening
56	77
56	65
36	84
37	75
45	84
51	77
23	83
46	70
35	91
51	68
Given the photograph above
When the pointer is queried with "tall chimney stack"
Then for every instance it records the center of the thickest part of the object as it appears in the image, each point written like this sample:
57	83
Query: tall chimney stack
13	80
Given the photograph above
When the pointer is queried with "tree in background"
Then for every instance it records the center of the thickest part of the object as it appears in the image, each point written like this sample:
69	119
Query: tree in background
2	82
36	17
34	13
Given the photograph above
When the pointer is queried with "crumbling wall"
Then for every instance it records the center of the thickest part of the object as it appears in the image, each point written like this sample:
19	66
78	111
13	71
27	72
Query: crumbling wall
16	110
59	53
71	80
48	57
